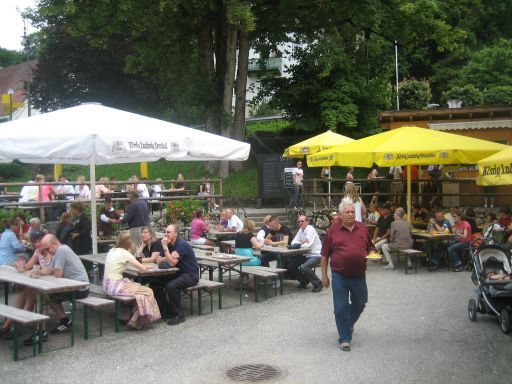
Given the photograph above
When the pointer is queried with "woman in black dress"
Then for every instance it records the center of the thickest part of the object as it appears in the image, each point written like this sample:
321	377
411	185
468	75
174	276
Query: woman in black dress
81	240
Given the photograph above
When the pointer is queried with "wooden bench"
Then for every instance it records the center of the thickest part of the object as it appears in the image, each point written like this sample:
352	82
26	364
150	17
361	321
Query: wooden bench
203	286
23	317
118	300
264	275
413	254
280	272
95	303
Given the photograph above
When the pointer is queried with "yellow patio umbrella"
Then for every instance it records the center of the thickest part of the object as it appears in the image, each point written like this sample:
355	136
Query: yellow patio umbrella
315	144
496	169
144	169
57	171
407	146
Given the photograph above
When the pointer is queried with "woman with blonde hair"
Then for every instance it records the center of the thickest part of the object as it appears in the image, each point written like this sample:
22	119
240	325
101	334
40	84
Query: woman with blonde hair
245	241
82	189
352	197
101	187
145	309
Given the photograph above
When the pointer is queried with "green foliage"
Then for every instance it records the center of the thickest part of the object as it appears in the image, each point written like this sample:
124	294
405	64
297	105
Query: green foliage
414	94
182	210
7	214
263	109
8	57
11	170
468	94
491	66
498	95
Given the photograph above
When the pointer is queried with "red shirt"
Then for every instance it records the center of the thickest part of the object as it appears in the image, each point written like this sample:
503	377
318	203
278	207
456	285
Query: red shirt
459	230
347	249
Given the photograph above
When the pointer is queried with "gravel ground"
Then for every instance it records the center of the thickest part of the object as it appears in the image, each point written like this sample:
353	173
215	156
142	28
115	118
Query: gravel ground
415	329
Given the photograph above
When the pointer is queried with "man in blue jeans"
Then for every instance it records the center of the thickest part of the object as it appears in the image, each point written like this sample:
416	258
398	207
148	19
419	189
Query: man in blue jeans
346	244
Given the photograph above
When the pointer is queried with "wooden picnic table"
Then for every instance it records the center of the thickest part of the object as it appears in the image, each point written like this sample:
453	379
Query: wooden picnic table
10	197
45	285
154	271
225	263
430	238
221	234
281	252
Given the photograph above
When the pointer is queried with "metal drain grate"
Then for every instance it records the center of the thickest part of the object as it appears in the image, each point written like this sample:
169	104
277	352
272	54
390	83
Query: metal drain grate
253	372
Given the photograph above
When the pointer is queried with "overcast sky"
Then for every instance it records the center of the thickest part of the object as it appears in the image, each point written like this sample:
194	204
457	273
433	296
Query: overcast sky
11	23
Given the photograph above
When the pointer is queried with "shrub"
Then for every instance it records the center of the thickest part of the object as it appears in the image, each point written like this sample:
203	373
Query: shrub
182	210
468	94
11	170
498	95
414	94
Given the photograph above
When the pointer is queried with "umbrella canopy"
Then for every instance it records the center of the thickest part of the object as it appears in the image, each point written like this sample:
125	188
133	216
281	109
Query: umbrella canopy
316	144
496	169
93	134
110	136
407	146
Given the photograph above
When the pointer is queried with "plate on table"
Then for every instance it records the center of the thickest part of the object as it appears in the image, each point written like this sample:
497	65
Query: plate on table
374	256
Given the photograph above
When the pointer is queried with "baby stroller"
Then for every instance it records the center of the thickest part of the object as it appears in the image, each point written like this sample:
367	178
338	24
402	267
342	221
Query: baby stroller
493	297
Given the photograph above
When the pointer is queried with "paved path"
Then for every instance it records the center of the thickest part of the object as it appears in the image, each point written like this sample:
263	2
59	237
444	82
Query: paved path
415	329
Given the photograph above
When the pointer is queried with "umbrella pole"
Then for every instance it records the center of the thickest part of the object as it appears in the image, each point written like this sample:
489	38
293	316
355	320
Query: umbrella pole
409	193
329	198
94	221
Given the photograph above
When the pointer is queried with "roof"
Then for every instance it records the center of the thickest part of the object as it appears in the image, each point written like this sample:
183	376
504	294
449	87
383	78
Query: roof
478	124
14	77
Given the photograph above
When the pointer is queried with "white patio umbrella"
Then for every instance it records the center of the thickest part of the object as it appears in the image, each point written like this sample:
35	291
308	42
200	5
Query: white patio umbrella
94	134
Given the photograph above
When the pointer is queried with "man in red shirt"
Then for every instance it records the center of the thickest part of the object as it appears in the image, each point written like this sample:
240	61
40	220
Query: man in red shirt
346	244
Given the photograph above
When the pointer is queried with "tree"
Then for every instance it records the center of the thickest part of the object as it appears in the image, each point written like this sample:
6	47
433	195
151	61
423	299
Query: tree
185	49
468	94
414	94
8	57
498	95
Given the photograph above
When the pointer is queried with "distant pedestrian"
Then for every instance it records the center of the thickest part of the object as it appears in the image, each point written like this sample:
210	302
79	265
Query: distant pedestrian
298	178
346	244
136	217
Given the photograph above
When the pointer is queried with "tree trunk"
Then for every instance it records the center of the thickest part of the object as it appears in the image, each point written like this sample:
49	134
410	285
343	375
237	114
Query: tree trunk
227	90
240	91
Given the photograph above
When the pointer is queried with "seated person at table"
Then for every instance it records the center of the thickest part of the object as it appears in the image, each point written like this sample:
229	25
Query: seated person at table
198	230
469	216
28	296
223	221
399	237
381	232
101	187
280	235
234	222
10	245
437	224
245	241
63	231
35	225
179	254
108	217
462	231
23	227
152	251
181	185
146	308
264	230
308	238
81	239
373	214
65	263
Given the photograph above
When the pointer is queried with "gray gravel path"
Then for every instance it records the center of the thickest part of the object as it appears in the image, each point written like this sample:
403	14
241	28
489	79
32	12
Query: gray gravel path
415	329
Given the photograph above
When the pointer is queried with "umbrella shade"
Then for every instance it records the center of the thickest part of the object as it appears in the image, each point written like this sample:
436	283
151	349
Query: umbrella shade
496	169
407	146
75	135
315	144
93	134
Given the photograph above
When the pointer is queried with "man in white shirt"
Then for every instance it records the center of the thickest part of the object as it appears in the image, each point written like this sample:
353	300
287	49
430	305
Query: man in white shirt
234	222
308	238
143	189
298	177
